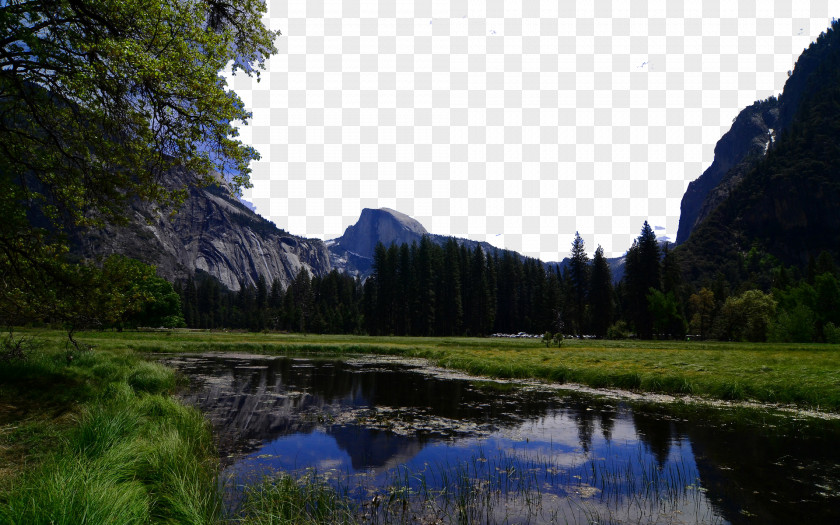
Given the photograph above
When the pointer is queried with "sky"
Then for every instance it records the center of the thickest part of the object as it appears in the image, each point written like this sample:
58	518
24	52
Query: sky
518	123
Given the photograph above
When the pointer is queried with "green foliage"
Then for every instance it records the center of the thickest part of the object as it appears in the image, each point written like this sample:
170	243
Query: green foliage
15	348
600	294
642	273
100	102
553	339
579	280
702	304
132	455
285	500
619	330
667	321
793	325
747	317
136	296
832	333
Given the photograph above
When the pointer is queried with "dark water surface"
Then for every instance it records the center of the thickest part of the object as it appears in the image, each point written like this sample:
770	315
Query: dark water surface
485	451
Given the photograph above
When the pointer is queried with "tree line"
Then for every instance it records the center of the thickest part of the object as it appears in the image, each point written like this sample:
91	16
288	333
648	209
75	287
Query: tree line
430	289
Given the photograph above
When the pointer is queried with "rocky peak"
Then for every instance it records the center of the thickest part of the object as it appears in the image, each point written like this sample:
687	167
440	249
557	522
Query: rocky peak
383	225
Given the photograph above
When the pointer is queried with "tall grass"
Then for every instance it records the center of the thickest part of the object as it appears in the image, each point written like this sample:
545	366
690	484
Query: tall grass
129	453
285	500
495	488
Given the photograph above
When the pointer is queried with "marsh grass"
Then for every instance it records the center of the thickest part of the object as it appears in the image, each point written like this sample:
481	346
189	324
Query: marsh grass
285	500
103	443
490	488
807	375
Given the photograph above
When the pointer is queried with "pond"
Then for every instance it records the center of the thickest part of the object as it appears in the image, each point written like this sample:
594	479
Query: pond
450	448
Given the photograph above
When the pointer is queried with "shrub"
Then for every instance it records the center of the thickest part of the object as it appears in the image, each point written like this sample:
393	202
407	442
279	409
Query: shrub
547	339
619	330
832	333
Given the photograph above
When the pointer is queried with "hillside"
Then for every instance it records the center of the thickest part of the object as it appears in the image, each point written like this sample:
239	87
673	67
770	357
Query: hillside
746	142
786	204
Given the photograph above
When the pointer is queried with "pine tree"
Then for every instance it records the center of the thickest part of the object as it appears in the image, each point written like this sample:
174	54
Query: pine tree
642	275
579	275
601	294
426	277
479	293
450	320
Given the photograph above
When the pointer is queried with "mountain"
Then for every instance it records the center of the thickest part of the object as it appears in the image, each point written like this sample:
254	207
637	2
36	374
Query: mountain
787	203
741	147
352	253
212	232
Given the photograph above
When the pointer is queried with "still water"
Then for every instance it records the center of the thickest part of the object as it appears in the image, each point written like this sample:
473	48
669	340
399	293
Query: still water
458	449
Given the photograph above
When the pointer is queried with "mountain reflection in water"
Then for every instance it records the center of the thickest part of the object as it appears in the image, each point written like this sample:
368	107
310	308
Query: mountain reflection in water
364	418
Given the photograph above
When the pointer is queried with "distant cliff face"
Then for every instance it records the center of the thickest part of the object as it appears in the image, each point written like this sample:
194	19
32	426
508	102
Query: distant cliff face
785	203
383	225
352	253
212	232
746	141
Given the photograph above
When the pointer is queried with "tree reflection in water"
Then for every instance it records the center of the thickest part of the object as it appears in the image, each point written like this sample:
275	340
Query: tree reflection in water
370	419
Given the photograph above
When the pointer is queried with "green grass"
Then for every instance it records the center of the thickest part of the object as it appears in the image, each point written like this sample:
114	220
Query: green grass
284	500
807	375
99	440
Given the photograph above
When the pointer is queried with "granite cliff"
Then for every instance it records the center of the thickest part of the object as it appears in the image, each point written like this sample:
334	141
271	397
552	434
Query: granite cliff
211	232
352	253
785	203
747	140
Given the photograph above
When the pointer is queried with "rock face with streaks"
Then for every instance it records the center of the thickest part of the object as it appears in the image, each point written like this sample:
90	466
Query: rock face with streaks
211	232
747	140
784	203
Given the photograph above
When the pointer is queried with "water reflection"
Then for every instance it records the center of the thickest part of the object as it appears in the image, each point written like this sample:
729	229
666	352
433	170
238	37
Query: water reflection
369	422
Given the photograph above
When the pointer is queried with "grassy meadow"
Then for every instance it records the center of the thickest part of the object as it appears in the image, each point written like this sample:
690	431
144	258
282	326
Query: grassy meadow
807	375
97	433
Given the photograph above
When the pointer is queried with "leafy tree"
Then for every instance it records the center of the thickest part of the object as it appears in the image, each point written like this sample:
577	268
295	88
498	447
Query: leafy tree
825	264
794	325
827	300
702	304
664	308
99	101
132	295
748	316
